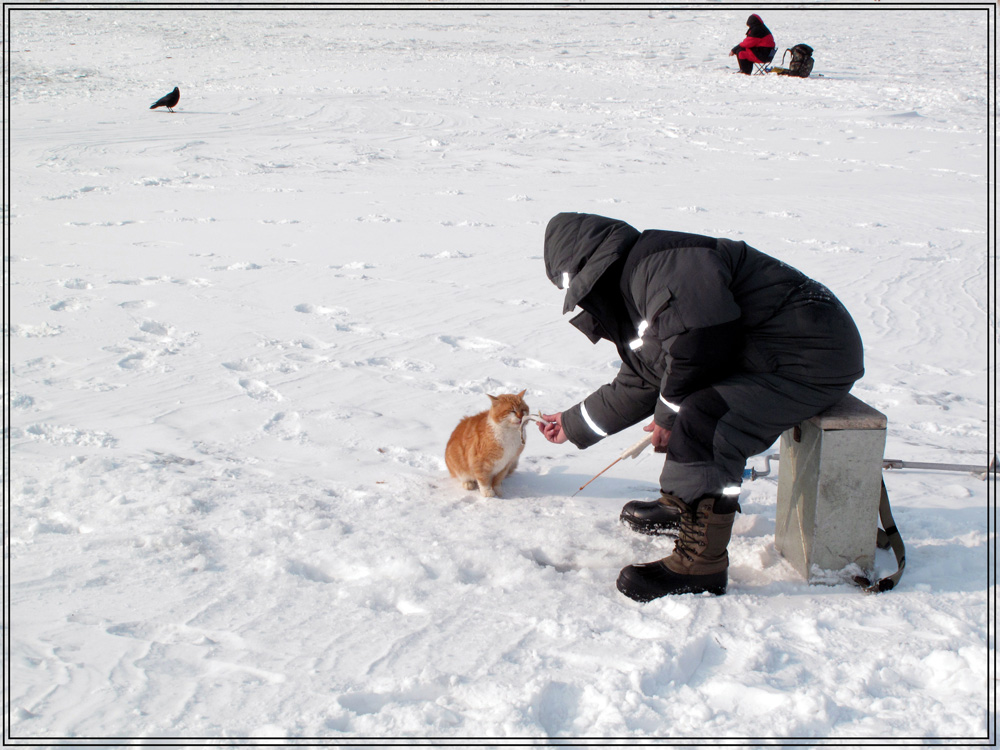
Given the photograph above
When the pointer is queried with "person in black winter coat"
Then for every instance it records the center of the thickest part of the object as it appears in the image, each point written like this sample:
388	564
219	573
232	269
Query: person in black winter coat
724	346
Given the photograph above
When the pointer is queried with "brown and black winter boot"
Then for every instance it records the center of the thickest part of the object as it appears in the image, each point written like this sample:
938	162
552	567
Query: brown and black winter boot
699	561
653	517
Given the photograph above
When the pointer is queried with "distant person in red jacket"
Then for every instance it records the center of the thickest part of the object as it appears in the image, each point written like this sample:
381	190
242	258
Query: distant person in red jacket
758	43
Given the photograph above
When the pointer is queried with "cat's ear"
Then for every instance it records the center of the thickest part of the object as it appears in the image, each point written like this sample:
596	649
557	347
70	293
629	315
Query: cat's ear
521	394
493	399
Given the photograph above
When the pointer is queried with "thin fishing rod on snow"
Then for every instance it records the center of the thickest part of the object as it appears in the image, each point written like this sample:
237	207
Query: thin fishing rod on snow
631	452
889	464
981	472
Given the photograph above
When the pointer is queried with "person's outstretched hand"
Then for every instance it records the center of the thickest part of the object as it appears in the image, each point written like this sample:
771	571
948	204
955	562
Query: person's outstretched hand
552	429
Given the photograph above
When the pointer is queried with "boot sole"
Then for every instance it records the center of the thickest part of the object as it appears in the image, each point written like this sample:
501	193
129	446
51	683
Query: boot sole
642	593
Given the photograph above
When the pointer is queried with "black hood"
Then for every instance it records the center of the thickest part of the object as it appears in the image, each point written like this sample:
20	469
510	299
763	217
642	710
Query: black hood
756	29
584	246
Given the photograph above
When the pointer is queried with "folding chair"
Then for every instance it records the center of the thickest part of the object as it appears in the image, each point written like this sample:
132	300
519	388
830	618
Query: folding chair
760	68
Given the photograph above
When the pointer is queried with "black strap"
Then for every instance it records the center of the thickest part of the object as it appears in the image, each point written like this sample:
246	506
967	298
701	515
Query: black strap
888	536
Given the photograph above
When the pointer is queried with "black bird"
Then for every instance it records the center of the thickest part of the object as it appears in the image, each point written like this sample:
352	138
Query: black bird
169	101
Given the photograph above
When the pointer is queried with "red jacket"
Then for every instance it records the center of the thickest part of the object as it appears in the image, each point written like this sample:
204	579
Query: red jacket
757	42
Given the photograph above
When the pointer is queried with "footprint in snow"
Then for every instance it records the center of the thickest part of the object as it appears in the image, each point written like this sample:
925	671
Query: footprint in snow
308	308
123	223
473	343
309	572
36	331
355	271
66	436
445	254
254	365
474	224
259	390
524	362
178	634
67	305
557	706
238	267
377	219
540	558
149	280
156	329
21	401
389	363
153	341
138	360
286	426
414	459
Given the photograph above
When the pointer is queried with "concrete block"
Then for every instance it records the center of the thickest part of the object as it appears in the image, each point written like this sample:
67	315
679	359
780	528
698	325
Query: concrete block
829	485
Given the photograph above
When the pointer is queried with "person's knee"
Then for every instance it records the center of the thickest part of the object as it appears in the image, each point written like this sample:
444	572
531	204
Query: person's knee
693	433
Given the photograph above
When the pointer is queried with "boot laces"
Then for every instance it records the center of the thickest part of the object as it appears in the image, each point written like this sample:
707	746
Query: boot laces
693	525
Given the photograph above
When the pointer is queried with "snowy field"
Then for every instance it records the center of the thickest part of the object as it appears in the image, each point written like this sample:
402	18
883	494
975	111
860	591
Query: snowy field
241	334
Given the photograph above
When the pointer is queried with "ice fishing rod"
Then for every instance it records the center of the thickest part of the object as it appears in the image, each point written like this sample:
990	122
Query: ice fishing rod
631	452
889	463
981	472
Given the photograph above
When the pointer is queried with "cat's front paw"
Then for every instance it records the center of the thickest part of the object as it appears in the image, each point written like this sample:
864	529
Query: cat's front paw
487	491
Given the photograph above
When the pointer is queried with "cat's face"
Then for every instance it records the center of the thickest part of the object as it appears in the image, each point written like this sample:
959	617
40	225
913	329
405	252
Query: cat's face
508	407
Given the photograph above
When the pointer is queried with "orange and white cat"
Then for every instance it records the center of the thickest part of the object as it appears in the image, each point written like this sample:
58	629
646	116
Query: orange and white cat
484	448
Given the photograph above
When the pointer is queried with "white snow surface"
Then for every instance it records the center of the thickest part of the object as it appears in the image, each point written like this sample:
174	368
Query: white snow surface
240	335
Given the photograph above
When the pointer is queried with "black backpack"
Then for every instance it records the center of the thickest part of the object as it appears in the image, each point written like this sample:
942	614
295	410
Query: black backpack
802	61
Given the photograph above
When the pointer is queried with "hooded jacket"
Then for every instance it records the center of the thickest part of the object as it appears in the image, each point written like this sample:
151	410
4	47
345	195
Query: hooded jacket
685	311
758	42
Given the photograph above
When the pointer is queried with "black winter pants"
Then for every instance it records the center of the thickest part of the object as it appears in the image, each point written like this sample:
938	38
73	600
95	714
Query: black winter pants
809	355
719	428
